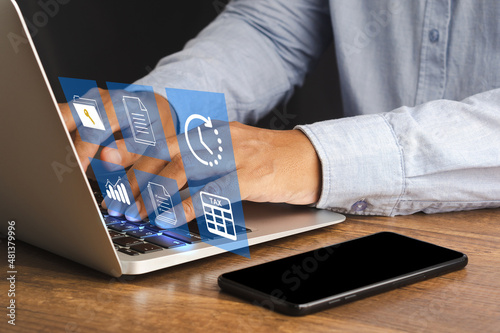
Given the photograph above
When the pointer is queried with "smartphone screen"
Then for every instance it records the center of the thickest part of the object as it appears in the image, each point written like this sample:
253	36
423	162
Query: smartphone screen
336	274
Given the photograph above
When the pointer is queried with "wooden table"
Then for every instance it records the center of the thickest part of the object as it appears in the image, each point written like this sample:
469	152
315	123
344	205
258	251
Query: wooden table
57	295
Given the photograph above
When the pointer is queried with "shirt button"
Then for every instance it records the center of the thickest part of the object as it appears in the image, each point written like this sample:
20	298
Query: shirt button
434	35
359	206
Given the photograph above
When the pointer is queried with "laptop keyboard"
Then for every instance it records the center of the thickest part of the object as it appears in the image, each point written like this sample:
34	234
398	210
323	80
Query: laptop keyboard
135	238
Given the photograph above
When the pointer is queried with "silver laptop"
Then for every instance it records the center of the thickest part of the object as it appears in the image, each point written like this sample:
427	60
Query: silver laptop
46	192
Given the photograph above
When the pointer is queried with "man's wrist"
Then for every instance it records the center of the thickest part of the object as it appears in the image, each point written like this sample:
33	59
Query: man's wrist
311	166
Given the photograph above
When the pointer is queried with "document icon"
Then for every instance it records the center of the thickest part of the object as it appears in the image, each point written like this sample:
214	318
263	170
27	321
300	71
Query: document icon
139	121
162	203
89	113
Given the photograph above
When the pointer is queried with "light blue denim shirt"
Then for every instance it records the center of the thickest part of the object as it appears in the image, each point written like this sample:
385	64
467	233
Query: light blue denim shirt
419	84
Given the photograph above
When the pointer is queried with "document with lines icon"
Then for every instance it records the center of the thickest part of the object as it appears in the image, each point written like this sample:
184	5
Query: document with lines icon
162	203
138	118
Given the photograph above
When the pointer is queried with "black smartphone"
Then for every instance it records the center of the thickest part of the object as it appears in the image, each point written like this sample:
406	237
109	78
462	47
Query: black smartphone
341	273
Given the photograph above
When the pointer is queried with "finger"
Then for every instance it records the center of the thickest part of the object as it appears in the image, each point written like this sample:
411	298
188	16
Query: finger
134	212
133	208
114	122
173	144
136	186
165	115
175	170
84	150
67	116
151	169
123	158
145	164
172	170
159	166
120	156
188	208
131	214
226	187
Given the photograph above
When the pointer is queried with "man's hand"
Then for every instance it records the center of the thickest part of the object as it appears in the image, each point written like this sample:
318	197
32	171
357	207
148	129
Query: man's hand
272	166
120	156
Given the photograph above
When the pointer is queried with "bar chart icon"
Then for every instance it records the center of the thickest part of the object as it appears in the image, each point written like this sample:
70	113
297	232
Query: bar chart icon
117	191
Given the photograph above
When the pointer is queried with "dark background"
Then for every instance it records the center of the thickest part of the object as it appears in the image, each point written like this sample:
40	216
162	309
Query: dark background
121	41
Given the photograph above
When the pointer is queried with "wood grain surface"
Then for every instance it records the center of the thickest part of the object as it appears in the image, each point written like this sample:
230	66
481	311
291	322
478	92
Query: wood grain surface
56	295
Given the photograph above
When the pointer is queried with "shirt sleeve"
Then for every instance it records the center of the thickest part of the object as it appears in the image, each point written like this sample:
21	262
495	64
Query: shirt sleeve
439	156
256	52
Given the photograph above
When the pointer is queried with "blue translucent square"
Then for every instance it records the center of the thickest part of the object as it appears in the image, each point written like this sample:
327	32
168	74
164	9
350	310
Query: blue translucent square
115	188
87	109
162	201
206	149
139	118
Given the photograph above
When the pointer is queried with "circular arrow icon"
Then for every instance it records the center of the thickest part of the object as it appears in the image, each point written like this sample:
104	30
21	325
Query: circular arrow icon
208	124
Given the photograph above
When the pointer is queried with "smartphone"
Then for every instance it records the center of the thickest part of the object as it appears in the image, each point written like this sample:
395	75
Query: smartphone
340	273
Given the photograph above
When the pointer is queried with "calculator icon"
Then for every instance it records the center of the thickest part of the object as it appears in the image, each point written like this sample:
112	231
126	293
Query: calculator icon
218	215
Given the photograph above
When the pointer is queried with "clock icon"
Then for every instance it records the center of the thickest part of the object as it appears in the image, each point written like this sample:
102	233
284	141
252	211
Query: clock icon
215	156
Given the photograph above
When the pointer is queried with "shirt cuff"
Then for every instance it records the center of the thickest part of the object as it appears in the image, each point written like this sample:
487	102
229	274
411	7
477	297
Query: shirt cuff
362	164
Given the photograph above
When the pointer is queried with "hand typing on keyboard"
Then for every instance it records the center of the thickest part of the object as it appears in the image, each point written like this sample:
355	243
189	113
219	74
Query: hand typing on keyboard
271	165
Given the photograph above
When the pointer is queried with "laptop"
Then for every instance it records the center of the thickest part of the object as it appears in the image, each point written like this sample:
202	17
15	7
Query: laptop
56	207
